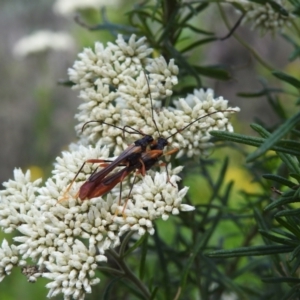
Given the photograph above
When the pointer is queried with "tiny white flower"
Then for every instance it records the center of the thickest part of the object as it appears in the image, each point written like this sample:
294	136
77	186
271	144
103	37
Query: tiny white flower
265	17
9	257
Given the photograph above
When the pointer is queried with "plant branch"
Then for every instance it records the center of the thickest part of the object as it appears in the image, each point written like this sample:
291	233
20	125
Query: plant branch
128	274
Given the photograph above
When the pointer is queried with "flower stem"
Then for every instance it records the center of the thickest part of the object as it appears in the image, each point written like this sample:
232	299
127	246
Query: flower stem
125	242
111	271
128	274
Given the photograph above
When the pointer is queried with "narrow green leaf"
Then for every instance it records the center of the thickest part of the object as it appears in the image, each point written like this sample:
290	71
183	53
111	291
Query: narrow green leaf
193	11
291	162
279	202
254	251
65	82
288	212
295	253
296	265
143	257
296	52
198	30
153	293
200	243
198	43
249	140
260	93
284	233
287	78
290	225
135	245
260	220
260	130
275	137
280	180
185	271
296	176
223	278
222	174
217	72
277	239
106	293
163	264
281	279
292	293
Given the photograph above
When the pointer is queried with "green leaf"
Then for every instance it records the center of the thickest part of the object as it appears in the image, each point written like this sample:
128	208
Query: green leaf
281	201
281	279
295	253
143	257
217	72
249	140
153	293
198	30
275	137
288	212
296	264
261	93
223	278
198	43
260	220
279	179
277	239
290	225
65	82
290	161
254	251
108	288
136	245
296	52
287	78
292	293
163	264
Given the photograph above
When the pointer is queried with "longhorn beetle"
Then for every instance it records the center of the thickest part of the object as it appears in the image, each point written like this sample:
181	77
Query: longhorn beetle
95	187
135	157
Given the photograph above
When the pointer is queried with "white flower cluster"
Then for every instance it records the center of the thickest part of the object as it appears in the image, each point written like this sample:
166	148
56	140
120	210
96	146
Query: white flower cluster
264	17
9	257
115	90
41	41
70	7
67	239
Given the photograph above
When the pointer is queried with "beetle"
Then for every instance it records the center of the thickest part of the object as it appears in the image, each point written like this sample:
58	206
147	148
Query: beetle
98	185
135	157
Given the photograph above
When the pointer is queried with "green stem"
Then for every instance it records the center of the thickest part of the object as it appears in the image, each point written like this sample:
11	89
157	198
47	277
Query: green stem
128	274
111	271
243	43
125	242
